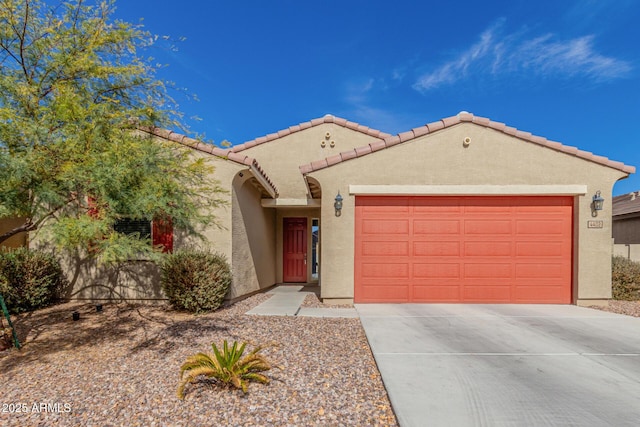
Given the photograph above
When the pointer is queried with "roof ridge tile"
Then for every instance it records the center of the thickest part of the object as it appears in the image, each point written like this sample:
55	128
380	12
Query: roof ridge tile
225	154
306	125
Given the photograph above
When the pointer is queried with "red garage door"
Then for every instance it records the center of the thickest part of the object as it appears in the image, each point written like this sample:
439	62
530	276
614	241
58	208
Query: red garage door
463	249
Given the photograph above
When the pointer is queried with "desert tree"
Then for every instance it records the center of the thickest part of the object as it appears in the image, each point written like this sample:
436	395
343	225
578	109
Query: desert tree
75	87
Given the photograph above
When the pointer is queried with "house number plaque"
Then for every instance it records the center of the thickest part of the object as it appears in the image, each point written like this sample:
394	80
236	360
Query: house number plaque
595	224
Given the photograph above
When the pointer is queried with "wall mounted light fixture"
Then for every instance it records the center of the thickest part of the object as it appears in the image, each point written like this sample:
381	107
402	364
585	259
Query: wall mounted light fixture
597	204
338	204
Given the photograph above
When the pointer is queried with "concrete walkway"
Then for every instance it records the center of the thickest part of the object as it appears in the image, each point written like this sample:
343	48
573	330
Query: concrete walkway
287	300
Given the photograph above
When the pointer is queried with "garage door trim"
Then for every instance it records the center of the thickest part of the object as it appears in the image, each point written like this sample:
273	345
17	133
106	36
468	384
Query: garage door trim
468	190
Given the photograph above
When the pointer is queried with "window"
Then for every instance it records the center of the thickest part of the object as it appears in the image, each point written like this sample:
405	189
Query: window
160	231
130	226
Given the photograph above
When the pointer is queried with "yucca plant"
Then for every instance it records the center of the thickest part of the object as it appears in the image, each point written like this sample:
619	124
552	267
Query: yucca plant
228	367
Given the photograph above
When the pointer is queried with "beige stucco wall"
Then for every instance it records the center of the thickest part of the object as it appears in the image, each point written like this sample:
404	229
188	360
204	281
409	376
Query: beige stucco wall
493	158
139	279
281	158
16	241
253	240
132	280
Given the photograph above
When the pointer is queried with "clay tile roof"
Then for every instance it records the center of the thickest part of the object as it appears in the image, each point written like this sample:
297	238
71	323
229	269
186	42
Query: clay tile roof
461	118
626	204
347	155
377	145
306	125
405	136
226	154
390	141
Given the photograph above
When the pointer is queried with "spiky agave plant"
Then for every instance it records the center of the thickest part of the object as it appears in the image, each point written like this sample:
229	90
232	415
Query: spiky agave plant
228	366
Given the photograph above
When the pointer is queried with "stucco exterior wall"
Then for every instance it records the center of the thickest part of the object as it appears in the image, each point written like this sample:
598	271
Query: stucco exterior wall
140	279
16	241
281	158
132	280
253	240
492	159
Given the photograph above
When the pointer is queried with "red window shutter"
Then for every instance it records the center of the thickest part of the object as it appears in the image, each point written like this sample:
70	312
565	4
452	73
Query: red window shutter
162	234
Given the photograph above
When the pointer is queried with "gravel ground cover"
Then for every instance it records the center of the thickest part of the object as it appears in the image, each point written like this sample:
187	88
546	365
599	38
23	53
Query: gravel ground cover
630	308
312	301
120	367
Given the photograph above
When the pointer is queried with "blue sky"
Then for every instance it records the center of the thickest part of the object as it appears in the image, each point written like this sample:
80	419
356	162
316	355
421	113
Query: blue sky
565	70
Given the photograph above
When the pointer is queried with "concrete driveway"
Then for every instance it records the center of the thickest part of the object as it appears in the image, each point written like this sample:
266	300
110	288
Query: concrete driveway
506	365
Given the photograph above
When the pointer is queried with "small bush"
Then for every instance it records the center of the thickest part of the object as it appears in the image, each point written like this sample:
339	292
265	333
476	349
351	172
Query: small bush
625	279
196	281
29	279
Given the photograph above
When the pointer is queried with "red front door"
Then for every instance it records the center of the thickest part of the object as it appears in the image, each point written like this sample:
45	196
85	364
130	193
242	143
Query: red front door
295	250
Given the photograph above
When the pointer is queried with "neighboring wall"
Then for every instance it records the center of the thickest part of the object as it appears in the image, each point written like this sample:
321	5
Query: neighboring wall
493	158
626	236
629	251
627	230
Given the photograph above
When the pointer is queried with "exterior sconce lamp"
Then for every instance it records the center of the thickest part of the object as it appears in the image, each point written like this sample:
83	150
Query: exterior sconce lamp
338	204
597	204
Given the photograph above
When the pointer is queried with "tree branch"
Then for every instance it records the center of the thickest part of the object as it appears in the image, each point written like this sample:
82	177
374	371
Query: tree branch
26	227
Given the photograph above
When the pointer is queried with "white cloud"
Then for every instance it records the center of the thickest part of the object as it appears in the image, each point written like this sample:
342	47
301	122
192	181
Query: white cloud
385	120
357	92
360	98
544	55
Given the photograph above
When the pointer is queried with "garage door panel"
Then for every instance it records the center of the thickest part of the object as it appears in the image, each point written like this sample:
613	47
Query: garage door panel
379	227
488	227
436	205
436	293
541	227
386	270
489	207
397	293
487	270
464	249
437	249
540	293
488	249
385	248
436	227
541	249
436	271
535	271
544	205
487	293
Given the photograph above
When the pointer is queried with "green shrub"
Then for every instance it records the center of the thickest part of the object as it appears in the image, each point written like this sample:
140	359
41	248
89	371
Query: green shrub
625	279
195	280
228	367
29	279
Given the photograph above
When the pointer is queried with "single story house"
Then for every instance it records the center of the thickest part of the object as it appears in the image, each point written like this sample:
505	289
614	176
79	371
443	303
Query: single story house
626	225
461	210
